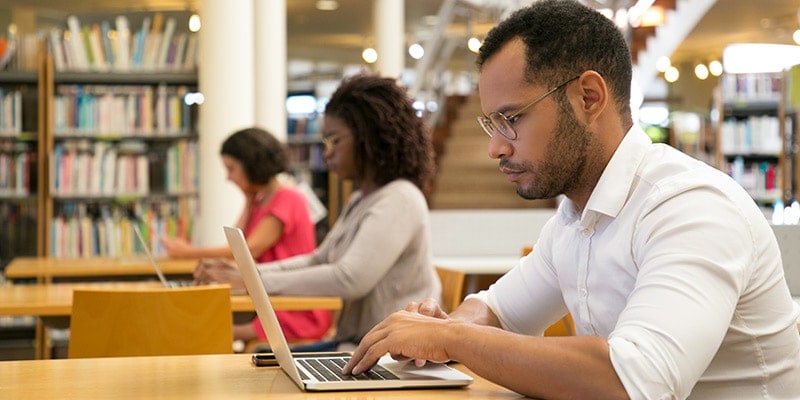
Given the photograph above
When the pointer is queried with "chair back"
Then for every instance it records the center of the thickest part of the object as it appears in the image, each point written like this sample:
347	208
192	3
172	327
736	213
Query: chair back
452	287
162	321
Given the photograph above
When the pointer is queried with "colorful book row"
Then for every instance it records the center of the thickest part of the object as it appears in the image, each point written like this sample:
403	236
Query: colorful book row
155	46
751	87
753	135
10	112
17	169
760	179
102	168
100	110
83	229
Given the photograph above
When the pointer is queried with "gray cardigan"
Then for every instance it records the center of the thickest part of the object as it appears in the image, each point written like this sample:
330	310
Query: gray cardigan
377	258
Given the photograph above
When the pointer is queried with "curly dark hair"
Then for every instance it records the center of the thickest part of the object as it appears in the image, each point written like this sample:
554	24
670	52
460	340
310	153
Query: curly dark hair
261	154
563	38
389	139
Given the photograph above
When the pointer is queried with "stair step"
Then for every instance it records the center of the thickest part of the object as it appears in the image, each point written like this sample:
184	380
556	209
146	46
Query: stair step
467	177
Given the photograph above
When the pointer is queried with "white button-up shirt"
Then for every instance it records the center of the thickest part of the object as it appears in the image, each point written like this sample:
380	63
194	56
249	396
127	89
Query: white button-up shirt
675	265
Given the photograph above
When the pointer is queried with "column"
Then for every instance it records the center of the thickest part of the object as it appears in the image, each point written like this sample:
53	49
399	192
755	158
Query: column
270	66
226	80
389	21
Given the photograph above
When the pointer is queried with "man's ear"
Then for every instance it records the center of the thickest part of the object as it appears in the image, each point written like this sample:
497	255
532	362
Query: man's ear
594	95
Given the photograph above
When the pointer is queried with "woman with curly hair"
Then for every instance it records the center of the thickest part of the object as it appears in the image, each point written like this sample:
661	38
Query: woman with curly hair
377	256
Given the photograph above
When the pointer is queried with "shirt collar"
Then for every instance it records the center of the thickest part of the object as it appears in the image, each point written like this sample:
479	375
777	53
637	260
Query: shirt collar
617	180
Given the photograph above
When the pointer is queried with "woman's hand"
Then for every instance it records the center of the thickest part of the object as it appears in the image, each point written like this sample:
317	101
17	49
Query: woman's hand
177	247
216	270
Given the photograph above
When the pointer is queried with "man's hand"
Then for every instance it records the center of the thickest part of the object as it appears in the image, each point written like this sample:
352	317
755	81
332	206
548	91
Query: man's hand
428	307
404	335
217	270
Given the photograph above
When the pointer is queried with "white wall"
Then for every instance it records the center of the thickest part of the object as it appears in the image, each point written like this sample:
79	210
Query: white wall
485	233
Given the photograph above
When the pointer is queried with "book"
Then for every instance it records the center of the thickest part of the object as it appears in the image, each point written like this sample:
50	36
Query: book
122	61
86	38
189	61
96	44
177	56
153	42
76	45
105	39
56	48
166	43
139	43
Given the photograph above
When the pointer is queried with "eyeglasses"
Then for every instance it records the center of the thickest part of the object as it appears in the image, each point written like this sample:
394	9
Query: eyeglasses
331	141
498	122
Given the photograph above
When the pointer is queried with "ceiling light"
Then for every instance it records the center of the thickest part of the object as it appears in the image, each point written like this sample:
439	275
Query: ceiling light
759	57
636	11
621	18
671	74
194	23
663	63
474	44
369	55
416	51
701	71
715	67
654	16
327	5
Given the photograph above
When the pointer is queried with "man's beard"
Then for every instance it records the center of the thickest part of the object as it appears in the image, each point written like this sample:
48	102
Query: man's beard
564	161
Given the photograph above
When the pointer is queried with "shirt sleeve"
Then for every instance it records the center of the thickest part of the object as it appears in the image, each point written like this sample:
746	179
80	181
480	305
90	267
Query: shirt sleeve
694	253
381	237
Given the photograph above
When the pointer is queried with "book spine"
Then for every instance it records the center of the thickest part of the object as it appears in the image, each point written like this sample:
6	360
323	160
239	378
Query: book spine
78	51
123	58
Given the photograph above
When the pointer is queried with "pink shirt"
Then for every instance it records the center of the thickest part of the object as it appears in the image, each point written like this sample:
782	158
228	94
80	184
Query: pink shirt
289	206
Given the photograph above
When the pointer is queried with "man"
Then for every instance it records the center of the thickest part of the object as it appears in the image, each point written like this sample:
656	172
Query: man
671	273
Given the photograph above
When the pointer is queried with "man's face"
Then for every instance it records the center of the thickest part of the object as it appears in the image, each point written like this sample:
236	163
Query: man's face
549	154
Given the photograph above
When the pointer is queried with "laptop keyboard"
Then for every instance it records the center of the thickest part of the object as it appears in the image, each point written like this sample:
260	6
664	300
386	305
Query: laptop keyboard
180	283
330	370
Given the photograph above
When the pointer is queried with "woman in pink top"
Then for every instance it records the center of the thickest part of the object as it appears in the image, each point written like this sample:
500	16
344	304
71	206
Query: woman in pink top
275	221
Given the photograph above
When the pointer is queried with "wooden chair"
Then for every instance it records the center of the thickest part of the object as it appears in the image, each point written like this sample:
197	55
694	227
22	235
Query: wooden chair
452	287
175	321
565	326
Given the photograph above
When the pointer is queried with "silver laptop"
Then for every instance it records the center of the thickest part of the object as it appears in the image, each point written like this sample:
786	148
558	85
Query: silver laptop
324	372
154	262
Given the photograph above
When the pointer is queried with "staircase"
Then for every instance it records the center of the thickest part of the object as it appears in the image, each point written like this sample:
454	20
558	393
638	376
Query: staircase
467	178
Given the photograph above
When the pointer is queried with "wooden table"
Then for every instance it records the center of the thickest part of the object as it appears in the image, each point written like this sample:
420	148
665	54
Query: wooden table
229	376
52	303
46	269
55	300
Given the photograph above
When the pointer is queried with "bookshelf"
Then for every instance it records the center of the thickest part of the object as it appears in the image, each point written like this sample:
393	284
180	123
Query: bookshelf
22	97
87	149
18	165
123	149
754	135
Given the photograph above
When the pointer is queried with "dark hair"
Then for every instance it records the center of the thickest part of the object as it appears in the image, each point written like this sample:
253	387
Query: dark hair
389	139
261	154
563	38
